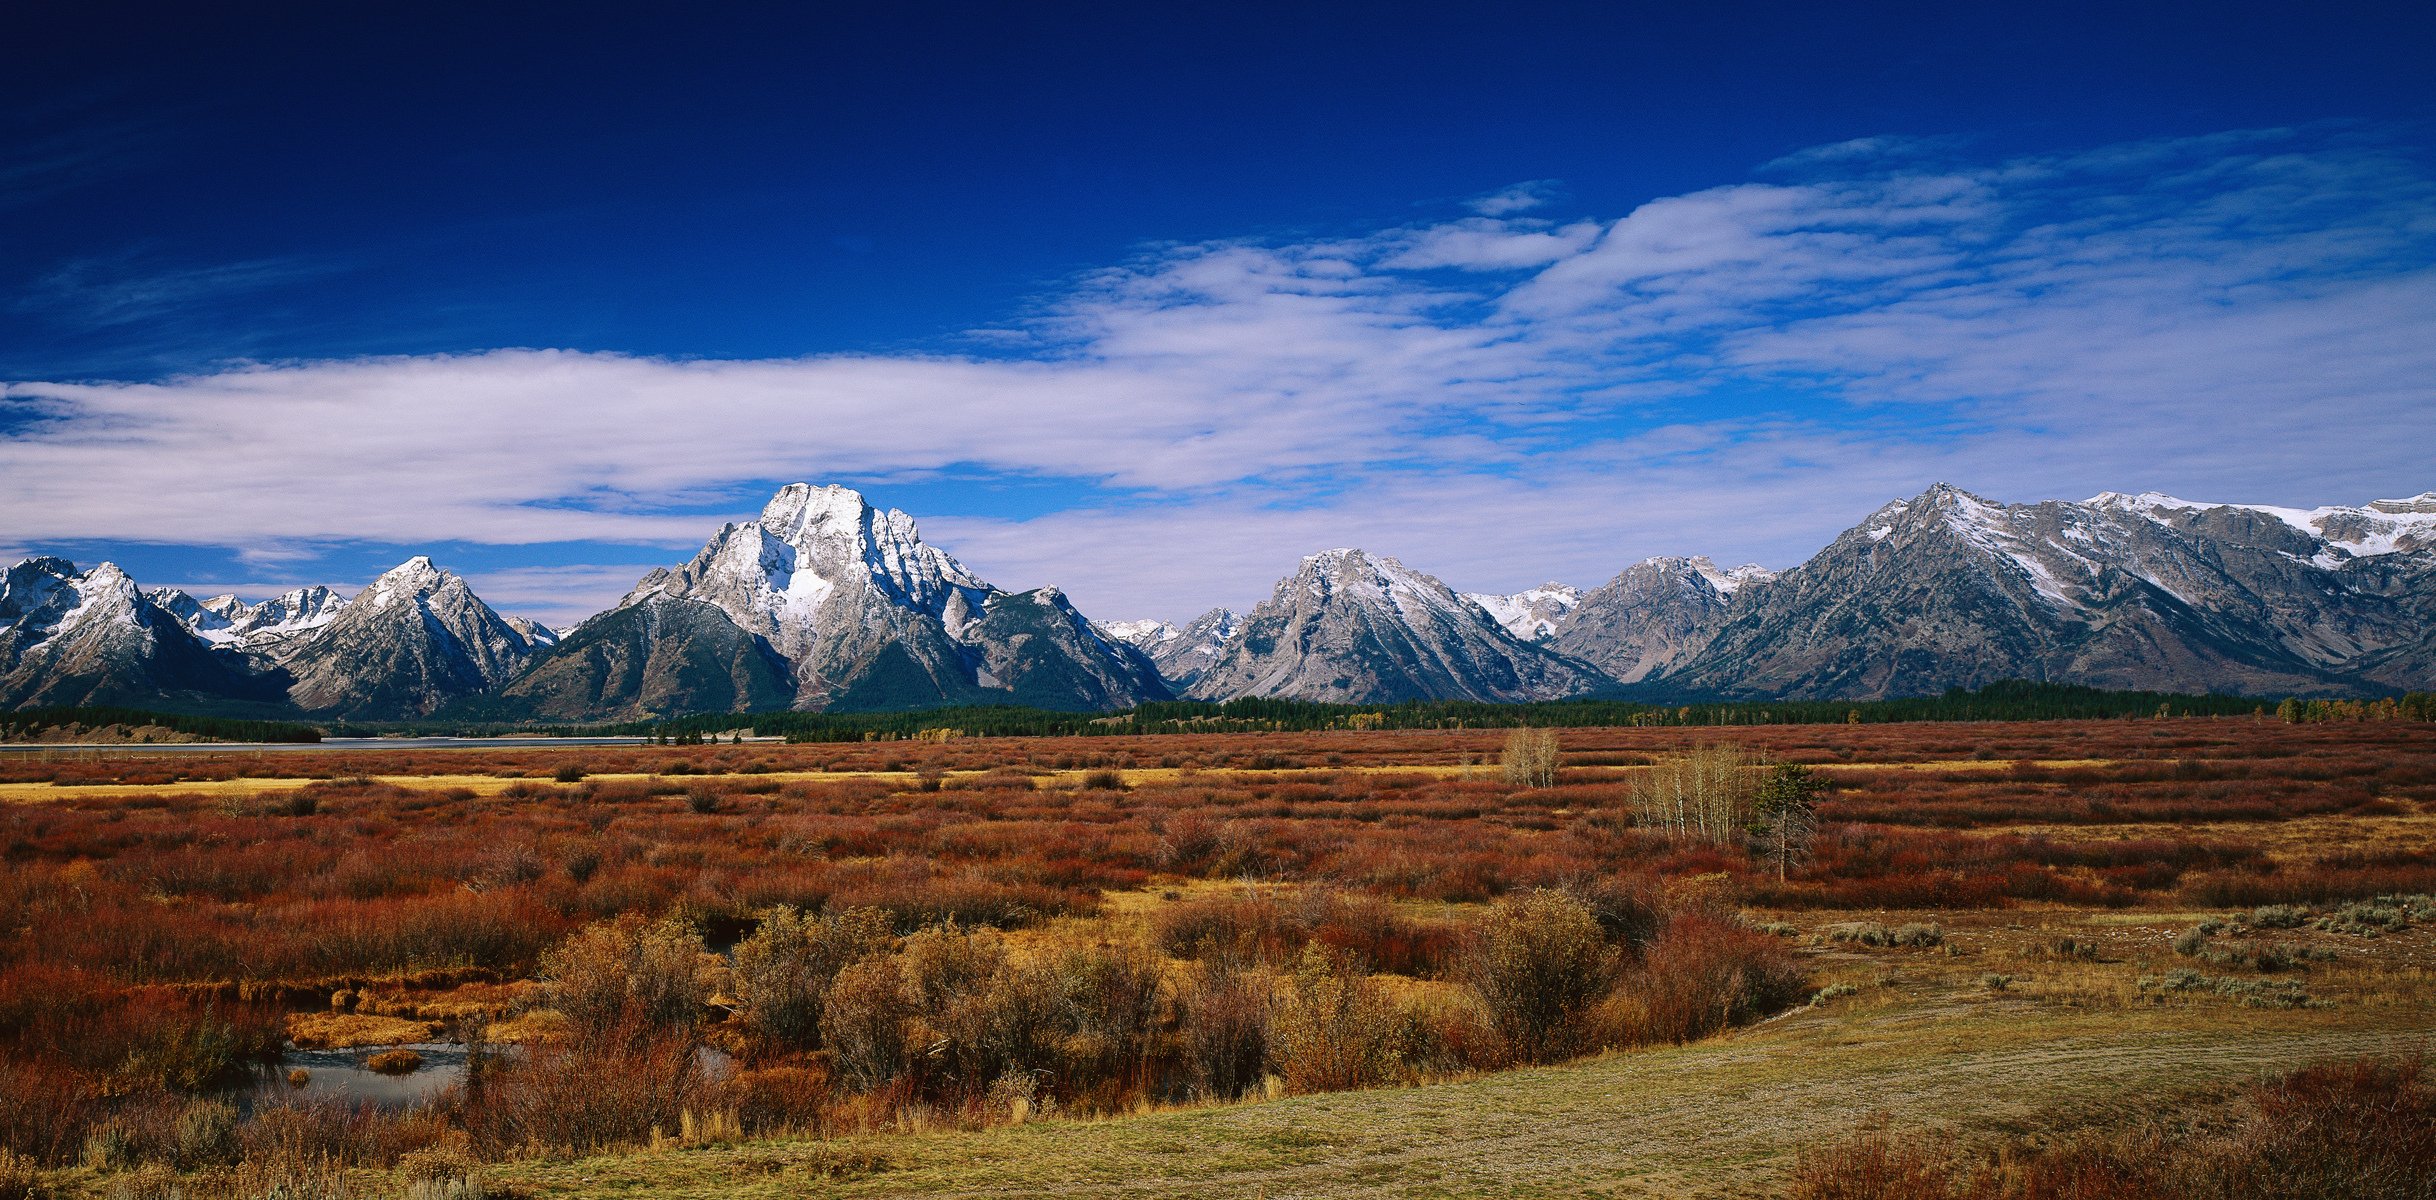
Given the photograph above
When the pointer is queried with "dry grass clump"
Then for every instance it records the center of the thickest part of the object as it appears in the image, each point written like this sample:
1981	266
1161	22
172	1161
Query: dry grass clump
400	1061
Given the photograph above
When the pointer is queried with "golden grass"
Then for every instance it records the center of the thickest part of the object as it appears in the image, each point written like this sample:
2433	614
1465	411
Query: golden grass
341	1031
492	785
2305	837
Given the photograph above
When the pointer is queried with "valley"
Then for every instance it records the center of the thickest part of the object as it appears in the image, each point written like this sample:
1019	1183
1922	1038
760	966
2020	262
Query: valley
1186	963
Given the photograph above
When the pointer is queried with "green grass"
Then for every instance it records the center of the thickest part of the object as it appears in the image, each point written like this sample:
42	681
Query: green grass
1727	1117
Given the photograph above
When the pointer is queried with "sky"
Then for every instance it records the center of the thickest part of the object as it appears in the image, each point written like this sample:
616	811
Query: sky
1149	301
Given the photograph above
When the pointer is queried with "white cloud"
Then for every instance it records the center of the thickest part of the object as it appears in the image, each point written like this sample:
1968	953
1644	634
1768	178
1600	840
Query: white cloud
557	596
1521	197
1496	398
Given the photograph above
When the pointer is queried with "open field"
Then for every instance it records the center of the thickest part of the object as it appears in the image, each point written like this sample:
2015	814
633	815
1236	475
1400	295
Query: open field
1291	964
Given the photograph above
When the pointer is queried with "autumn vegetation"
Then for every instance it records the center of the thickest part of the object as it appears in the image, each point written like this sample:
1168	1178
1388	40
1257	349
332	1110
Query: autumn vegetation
653	945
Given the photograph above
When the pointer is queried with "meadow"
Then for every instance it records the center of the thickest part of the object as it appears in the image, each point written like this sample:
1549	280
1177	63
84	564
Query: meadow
1317	963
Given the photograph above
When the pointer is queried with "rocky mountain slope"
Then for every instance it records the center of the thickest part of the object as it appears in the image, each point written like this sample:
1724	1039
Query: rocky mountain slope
415	639
1353	628
1947	589
1654	617
652	657
93	637
1183	654
854	611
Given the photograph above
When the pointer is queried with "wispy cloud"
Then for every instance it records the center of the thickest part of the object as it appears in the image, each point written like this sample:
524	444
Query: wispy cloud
1521	197
1497	397
125	288
558	596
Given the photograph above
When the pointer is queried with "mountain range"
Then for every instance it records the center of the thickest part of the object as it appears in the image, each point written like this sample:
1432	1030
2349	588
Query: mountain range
825	602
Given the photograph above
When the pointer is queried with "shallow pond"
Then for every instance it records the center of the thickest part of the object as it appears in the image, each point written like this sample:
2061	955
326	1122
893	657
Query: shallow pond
340	1076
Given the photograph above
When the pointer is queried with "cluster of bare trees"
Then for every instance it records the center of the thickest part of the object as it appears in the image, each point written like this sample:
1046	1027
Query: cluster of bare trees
1721	793
1704	795
1530	758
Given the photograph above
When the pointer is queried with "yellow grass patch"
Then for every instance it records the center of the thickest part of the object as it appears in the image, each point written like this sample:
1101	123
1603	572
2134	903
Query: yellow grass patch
340	1031
492	785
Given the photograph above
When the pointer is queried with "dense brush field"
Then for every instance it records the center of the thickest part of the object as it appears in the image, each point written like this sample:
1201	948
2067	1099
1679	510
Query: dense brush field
654	946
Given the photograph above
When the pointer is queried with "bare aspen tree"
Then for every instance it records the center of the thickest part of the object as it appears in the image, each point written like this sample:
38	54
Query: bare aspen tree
1704	795
1530	758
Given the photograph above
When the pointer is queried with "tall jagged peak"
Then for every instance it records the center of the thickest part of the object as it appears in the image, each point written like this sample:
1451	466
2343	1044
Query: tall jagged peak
1335	559
1349	564
48	564
416	572
799	510
415	576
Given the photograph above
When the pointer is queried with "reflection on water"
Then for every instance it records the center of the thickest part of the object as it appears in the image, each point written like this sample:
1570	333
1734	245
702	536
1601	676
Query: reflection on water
340	1076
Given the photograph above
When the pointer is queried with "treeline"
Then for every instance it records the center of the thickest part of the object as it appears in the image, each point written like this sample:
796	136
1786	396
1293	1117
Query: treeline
2005	701
31	724
2411	706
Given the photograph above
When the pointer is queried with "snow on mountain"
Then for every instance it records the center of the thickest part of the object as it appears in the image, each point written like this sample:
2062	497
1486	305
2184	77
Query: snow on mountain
1350	627
1655	616
859	611
94	637
826	602
2371	530
1948	589
535	633
1530	615
1180	653
413	640
1141	635
1727	580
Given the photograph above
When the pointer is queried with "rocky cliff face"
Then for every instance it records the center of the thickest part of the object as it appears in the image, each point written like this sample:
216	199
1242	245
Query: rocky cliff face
862	614
1947	589
652	658
414	640
1352	628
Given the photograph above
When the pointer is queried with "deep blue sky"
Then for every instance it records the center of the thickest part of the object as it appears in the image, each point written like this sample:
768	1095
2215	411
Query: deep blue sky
183	186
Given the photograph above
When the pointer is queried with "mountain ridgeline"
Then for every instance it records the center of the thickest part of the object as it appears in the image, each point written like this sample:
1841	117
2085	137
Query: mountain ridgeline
825	604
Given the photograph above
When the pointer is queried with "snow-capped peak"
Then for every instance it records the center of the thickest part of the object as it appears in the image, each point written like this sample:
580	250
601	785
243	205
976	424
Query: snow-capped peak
817	562
405	581
1727	579
1531	615
1142	634
801	510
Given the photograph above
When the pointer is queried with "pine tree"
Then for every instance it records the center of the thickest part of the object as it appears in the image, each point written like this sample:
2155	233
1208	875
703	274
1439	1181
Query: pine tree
1787	812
